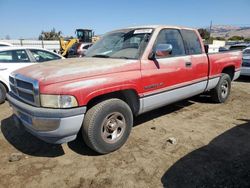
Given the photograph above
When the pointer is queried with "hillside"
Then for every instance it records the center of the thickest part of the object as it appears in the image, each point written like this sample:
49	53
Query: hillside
228	31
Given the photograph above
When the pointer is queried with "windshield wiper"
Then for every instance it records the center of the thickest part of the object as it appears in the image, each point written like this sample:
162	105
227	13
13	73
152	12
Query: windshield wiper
100	55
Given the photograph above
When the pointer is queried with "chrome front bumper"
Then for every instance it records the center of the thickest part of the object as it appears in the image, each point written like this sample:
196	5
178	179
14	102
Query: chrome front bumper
51	125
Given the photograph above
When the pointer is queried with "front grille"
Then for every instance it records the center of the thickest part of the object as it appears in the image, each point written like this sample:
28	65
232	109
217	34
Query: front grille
24	85
26	96
246	63
25	89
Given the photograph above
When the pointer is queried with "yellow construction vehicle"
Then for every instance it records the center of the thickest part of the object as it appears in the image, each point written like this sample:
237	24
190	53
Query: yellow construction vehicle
82	35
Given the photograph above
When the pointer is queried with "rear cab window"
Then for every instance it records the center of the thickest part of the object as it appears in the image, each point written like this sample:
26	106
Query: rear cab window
192	42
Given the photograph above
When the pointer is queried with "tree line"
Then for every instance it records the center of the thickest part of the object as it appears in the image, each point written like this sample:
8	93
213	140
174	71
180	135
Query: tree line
52	35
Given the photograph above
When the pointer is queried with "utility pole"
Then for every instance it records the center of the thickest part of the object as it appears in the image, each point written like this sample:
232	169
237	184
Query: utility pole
210	29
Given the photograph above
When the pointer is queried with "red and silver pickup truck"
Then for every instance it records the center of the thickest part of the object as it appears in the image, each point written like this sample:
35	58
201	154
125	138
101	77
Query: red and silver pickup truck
126	73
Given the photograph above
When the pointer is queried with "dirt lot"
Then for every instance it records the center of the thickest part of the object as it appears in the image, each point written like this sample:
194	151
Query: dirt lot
212	150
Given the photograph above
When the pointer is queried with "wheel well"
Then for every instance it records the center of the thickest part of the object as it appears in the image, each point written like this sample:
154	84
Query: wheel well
129	96
230	71
6	87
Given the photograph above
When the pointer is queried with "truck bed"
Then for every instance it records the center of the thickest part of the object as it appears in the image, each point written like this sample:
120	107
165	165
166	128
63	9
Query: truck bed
217	61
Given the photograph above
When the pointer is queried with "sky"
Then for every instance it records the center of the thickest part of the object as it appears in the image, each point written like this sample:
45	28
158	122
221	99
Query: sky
27	18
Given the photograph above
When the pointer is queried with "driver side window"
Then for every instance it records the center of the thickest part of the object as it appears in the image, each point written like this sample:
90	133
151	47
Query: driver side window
171	37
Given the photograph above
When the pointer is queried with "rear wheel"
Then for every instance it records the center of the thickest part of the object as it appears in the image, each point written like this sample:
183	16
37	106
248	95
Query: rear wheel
2	93
107	125
222	91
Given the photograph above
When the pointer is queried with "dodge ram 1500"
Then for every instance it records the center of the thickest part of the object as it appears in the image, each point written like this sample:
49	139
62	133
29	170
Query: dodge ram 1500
126	73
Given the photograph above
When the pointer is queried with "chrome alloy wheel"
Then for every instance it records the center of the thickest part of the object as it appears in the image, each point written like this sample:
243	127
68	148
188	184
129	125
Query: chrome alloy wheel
224	89
113	127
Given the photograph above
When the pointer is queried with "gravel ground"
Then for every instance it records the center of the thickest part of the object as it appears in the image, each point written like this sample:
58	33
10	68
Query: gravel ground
193	143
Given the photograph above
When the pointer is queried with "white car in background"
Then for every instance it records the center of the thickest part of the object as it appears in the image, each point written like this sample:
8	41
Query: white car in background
13	58
245	69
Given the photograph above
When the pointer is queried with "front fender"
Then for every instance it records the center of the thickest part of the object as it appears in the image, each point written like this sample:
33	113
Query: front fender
104	91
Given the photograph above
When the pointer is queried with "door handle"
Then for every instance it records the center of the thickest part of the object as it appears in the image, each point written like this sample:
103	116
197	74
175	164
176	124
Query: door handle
188	64
2	68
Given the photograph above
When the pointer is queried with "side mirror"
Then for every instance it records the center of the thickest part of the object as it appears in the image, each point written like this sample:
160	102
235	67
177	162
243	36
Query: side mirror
161	50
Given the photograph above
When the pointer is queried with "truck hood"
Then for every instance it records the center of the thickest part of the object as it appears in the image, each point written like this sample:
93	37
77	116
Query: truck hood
76	68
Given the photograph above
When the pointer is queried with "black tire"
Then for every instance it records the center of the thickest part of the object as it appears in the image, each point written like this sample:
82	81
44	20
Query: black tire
107	125
222	91
2	93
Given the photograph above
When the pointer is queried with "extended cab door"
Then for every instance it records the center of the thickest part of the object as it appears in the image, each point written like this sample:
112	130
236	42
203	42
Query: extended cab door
199	62
173	77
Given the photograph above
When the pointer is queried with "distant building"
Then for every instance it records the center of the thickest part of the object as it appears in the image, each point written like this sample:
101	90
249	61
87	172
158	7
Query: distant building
213	48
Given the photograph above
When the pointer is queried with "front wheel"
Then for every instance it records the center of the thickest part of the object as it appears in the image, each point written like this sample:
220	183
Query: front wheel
222	91
107	125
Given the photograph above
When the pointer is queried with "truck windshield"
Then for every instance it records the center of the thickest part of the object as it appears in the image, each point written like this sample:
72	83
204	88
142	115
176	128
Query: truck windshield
122	44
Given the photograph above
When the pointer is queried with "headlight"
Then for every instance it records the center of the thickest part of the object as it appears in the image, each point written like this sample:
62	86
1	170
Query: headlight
58	101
